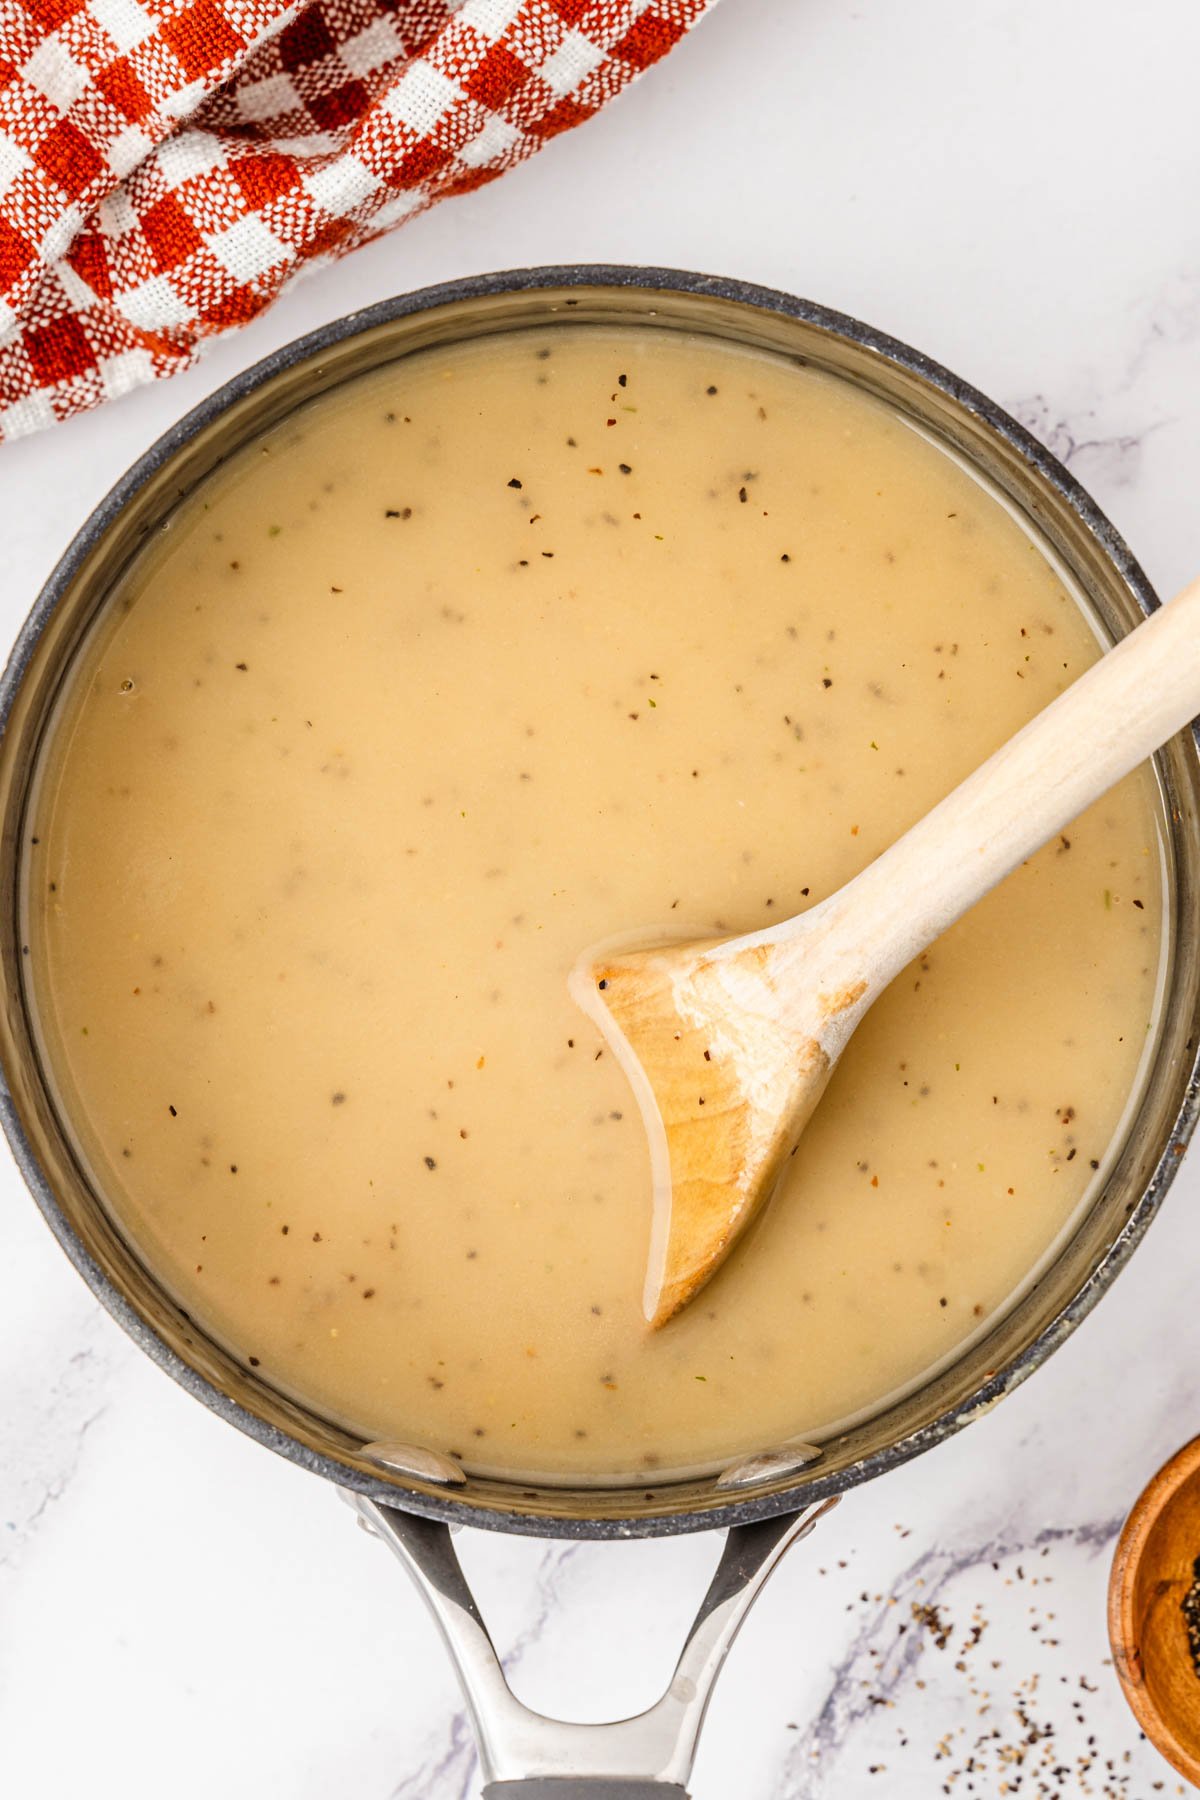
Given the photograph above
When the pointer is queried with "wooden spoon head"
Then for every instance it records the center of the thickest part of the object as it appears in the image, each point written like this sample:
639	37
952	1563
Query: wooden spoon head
724	1090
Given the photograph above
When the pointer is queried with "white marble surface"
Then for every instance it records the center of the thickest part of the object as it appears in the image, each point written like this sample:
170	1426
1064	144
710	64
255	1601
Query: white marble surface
1013	188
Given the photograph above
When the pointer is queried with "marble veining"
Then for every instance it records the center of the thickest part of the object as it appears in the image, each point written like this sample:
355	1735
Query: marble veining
1090	456
937	1675
452	1767
45	1421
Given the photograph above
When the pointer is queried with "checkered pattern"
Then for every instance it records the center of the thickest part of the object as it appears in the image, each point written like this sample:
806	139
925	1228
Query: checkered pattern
166	166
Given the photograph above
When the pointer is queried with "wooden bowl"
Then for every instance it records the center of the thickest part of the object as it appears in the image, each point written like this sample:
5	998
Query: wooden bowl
1154	1568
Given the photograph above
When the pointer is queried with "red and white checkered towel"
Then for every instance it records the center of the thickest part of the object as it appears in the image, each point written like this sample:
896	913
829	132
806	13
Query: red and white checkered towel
166	166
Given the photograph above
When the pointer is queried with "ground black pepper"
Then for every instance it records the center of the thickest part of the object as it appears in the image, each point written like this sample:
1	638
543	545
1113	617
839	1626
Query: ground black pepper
1190	1608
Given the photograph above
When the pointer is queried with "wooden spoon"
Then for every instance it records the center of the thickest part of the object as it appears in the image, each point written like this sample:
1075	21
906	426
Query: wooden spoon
729	1044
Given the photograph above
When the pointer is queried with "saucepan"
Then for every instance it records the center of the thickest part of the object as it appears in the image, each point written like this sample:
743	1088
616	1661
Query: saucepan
408	1495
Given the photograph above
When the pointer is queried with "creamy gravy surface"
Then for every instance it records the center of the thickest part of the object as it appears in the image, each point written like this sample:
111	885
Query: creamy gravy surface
472	663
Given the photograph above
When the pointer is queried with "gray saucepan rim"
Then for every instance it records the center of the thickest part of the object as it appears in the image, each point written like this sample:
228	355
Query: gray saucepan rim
449	1508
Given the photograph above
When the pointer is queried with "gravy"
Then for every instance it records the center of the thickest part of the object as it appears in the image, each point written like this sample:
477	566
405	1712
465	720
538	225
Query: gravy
480	659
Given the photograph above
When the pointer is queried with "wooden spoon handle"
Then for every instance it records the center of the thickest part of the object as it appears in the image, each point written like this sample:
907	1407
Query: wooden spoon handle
1137	696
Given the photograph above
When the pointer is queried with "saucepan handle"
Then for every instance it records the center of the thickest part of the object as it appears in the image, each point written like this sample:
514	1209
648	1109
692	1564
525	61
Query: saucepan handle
585	1787
523	1755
